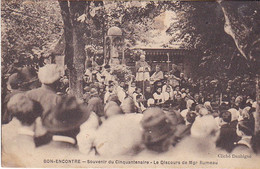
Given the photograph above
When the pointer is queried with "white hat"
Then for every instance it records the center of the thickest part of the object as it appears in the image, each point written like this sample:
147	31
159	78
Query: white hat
204	126
49	73
189	103
234	114
128	106
150	102
119	135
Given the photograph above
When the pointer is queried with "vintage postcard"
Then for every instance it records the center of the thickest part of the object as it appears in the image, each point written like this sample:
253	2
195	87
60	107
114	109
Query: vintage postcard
130	84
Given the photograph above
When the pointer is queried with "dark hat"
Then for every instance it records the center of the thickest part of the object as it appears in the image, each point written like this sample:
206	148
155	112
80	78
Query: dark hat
157	125
107	66
29	73
24	109
246	126
191	116
67	115
95	104
15	80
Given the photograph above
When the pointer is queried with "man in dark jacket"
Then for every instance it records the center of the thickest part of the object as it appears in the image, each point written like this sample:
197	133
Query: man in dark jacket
228	134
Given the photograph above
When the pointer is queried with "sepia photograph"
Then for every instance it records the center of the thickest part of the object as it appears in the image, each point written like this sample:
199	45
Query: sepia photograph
130	84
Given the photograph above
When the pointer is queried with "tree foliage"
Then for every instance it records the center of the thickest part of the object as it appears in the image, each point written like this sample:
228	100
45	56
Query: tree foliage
29	28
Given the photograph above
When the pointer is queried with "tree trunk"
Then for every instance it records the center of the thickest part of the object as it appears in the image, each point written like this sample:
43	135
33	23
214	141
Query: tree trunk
75	46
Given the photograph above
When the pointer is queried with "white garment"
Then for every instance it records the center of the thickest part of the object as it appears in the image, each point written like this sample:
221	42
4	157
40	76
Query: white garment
158	97
87	133
171	90
107	95
108	76
119	135
184	113
120	94
131	91
156	76
166	96
142	74
138	104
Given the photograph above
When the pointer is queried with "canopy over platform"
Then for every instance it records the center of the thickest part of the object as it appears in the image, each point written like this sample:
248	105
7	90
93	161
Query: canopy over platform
187	60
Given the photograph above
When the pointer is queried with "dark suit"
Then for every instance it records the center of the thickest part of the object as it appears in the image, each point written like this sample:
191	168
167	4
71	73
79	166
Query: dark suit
227	137
45	96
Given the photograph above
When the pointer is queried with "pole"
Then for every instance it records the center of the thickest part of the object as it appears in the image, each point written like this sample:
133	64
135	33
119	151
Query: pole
257	112
143	80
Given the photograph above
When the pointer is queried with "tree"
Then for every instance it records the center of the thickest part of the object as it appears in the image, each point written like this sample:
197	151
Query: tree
75	46
242	24
29	29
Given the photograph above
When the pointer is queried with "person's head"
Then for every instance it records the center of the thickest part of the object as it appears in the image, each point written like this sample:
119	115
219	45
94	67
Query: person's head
159	90
198	107
190	117
14	81
111	82
50	75
97	68
142	58
114	98
168	89
196	96
189	103
157	68
66	117
203	111
181	75
122	84
187	90
112	111
148	89
133	84
211	95
228	90
95	104
119	135
207	105
205	127
159	83
238	100
138	90
159	129
245	128
226	116
110	88
128	106
24	109
177	88
178	98
174	67
107	67
93	92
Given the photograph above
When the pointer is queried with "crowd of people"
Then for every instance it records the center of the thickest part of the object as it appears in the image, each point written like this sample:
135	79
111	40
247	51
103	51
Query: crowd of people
155	113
